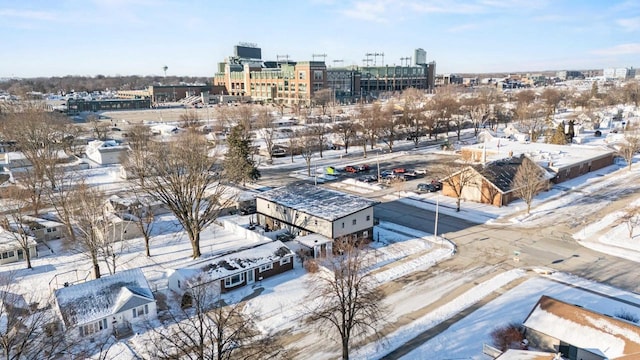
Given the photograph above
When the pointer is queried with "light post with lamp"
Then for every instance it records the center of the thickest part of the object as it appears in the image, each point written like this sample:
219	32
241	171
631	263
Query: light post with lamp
435	225
378	163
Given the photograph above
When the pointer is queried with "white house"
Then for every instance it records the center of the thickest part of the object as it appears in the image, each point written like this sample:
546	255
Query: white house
306	209
108	304
43	229
11	250
106	152
228	272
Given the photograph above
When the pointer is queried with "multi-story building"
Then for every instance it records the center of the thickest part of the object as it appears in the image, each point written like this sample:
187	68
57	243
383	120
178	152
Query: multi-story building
297	82
419	57
619	73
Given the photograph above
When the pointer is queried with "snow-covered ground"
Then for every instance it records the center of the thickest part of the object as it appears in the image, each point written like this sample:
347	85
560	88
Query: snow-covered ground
464	339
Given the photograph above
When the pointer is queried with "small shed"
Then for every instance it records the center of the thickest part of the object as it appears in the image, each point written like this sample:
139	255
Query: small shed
316	245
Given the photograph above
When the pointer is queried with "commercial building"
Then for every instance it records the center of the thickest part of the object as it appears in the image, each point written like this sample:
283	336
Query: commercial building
286	81
305	209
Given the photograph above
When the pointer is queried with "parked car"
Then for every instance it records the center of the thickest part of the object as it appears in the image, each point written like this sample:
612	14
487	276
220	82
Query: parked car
363	167
424	187
248	210
437	184
399	170
351	169
386	173
368	178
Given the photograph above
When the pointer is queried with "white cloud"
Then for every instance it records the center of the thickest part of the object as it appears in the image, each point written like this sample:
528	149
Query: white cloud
27	14
629	24
385	10
622	49
368	10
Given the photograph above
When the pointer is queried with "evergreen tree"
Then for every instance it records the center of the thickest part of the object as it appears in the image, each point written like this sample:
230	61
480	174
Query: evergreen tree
239	166
559	137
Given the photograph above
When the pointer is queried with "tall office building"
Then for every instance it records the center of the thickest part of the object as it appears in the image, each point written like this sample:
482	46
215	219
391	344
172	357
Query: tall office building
420	56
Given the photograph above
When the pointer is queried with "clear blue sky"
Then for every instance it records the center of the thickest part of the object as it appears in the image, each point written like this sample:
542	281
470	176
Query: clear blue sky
138	37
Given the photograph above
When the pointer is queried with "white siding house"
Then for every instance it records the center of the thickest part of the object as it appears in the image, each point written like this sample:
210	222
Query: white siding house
11	250
106	152
109	304
306	209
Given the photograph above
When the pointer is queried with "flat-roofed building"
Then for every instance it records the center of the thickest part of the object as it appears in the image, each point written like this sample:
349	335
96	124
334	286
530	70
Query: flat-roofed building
306	209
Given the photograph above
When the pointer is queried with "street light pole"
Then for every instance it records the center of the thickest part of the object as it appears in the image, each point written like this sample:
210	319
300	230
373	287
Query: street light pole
435	230
378	164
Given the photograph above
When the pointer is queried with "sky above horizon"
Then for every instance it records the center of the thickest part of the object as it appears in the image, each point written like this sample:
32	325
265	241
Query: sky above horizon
139	37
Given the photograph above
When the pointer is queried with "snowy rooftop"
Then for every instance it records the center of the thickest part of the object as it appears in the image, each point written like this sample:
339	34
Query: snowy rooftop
96	299
42	222
224	266
108	145
317	201
597	333
526	355
312	240
553	156
8	241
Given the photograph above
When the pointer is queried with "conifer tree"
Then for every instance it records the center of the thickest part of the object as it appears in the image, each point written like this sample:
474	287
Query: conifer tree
239	165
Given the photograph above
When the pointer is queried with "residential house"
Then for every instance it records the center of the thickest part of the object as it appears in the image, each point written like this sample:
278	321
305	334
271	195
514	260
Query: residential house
579	333
106	152
108	304
233	270
491	183
306	209
11	249
513	354
43	229
118	204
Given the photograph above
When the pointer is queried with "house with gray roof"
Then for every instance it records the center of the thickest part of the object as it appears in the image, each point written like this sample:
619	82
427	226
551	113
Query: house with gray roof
108	304
306	209
233	270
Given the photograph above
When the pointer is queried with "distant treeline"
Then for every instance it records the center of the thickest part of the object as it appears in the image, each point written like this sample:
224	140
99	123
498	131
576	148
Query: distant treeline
70	83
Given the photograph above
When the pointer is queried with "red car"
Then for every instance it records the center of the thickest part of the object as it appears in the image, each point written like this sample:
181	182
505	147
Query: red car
351	169
399	170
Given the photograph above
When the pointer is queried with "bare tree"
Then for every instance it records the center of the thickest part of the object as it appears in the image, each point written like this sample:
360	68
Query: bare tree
135	160
632	219
347	297
210	330
631	144
412	113
16	204
306	143
456	177
531	118
189	120
143	218
30	330
323	98
320	132
100	128
388	126
38	135
529	181
347	131
267	130
185	180
91	222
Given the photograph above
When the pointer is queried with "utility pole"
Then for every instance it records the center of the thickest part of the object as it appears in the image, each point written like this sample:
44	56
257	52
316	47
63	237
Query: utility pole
338	61
407	59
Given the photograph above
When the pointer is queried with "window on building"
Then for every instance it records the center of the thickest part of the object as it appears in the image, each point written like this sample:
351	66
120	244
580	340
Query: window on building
368	217
285	260
365	234
353	222
317	75
234	280
302	75
7	254
343	225
265	267
50	230
315	222
93	328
